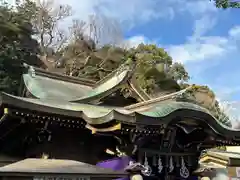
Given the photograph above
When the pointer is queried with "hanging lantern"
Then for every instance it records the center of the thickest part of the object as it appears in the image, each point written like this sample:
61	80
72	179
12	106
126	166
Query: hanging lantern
184	172
148	169
160	166
171	166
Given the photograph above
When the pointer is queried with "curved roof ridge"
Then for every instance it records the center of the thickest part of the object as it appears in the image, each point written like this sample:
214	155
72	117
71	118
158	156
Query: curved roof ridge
157	115
156	100
110	75
111	84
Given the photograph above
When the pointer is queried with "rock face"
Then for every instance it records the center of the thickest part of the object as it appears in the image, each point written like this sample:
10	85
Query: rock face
201	95
205	98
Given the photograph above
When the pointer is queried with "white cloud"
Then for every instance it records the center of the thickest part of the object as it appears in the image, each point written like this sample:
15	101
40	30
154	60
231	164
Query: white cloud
225	92
235	32
125	11
134	41
202	25
198	7
135	12
200	47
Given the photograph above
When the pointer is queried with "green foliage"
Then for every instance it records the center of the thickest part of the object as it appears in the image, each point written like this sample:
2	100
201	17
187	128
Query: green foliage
16	47
226	3
153	66
45	17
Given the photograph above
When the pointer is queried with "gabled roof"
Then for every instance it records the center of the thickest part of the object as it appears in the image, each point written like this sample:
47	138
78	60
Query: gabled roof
107	86
46	85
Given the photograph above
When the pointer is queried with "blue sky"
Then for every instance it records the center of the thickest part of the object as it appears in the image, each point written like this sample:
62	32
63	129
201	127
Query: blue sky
205	39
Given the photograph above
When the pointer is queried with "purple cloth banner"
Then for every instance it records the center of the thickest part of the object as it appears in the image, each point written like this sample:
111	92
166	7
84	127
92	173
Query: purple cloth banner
116	164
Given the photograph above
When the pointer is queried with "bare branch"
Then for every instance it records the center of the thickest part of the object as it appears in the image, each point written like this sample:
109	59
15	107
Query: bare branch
98	28
46	23
104	30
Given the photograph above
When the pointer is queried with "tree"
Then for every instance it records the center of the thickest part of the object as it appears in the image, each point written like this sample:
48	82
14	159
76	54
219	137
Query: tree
153	65
100	29
227	3
16	47
46	16
87	45
155	68
104	30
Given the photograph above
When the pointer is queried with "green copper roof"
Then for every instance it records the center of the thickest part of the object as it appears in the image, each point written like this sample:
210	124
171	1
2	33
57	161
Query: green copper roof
106	87
91	112
157	114
94	111
163	109
48	88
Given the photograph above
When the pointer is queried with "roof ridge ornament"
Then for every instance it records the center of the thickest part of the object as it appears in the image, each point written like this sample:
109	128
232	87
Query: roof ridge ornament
32	72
